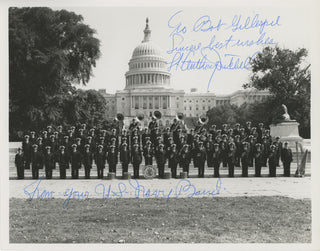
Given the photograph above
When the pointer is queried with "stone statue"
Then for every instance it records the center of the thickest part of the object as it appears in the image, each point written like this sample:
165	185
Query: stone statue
285	115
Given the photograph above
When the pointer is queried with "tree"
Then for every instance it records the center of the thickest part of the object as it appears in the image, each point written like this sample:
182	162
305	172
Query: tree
49	52
85	107
225	114
286	75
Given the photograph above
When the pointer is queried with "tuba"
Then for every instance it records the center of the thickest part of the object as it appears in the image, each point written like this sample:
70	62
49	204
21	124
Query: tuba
203	119
140	117
119	117
157	114
179	116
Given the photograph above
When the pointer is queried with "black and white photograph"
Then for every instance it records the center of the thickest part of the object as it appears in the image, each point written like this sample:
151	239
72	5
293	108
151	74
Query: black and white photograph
160	124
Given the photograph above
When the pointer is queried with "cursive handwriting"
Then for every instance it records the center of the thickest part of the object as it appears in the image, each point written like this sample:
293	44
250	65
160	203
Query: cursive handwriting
33	191
184	188
217	51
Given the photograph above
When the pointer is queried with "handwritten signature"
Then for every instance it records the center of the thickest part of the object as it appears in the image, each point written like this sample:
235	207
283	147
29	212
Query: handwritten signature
183	188
214	54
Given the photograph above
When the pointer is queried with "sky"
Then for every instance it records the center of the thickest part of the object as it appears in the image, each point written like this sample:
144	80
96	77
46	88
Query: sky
120	30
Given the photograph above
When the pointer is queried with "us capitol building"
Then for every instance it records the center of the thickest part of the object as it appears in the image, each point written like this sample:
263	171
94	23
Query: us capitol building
148	89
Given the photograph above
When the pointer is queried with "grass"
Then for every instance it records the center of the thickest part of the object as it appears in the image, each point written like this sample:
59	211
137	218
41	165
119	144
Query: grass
184	220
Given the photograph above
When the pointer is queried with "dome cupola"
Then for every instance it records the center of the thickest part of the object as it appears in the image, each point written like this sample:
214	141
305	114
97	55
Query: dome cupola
147	66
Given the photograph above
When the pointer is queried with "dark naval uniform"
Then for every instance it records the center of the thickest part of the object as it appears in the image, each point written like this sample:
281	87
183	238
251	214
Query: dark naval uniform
63	161
49	164
286	158
19	162
75	159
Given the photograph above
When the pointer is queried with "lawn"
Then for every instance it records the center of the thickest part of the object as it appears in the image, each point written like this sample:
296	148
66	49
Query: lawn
182	220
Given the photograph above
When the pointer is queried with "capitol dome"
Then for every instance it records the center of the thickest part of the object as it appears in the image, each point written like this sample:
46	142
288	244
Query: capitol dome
147	66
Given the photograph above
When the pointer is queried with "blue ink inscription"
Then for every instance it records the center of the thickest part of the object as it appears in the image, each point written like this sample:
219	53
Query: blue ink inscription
183	188
216	53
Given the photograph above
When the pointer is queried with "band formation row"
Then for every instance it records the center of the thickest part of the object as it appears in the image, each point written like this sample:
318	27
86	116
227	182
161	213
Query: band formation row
175	145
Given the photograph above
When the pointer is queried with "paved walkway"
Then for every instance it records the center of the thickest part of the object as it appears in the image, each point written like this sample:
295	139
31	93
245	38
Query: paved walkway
194	187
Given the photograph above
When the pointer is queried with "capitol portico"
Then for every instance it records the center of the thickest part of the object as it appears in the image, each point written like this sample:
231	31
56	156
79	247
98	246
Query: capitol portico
148	89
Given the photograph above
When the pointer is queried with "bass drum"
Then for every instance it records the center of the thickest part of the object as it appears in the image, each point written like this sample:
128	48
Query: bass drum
149	172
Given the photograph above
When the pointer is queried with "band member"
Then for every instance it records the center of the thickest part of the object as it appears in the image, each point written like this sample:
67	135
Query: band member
224	153
114	137
209	150
49	162
81	135
185	158
41	146
216	160
173	159
231	159
60	134
91	144
56	138
260	132
75	159
92	134
286	158
19	162
265	149
272	161
67	145
174	125
125	136
71	136
148	154
190	137
36	162
258	160
27	151
238	146
154	135
45	138
136	159
73	130
63	161
252	149
49	130
102	143
243	136
236	130
124	157
53	144
161	160
247	129
87	160
33	138
278	149
199	159
268	136
133	125
254	133
245	159
112	158
80	146
224	129
145	134
166	136
100	160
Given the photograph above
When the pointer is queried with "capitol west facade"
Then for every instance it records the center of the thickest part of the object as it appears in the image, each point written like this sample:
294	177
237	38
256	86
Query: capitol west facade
148	89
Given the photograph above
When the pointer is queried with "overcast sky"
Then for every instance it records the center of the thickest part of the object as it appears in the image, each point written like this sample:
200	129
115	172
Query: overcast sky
120	30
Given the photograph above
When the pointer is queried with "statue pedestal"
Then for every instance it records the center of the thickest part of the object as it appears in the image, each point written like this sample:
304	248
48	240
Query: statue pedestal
287	131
